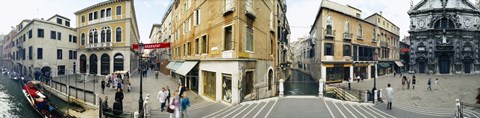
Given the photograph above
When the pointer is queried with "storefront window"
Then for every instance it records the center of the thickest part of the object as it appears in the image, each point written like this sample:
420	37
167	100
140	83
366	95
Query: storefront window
227	87
335	73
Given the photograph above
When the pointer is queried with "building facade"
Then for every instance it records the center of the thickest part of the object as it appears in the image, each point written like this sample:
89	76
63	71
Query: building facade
43	46
226	50
342	45
106	33
444	37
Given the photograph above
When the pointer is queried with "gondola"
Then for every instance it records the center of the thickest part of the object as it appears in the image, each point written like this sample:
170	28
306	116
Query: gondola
39	102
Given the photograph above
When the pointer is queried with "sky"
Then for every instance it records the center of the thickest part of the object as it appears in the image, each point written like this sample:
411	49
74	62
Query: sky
300	13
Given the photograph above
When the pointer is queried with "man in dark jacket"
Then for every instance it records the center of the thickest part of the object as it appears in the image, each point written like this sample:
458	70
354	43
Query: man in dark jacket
119	95
105	107
117	108
181	90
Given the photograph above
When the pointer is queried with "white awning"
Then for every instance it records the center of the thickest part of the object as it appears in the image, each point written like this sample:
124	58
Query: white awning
186	67
176	66
170	65
399	63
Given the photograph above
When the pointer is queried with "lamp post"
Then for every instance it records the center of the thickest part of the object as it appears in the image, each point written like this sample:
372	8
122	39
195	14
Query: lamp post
140	52
375	59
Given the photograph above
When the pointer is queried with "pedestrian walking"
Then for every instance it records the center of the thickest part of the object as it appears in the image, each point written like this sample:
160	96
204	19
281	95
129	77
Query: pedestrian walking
168	95
403	82
414	81
119	95
126	83
436	84
102	84
394	74
156	74
389	90
185	102
181	90
358	79
350	80
145	72
429	83
162	95
175	105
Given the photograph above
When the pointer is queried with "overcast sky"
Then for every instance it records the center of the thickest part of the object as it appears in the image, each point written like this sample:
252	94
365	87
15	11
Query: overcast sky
300	13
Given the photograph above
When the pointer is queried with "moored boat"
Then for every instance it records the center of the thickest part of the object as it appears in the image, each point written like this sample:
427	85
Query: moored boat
39	102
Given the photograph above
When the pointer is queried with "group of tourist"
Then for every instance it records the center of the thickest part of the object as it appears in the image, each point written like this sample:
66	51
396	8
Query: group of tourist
177	104
408	82
116	81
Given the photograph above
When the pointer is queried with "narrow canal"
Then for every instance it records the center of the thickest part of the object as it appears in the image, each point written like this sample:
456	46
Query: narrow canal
301	84
13	104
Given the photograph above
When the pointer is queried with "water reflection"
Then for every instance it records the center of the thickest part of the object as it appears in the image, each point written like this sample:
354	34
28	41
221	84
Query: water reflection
301	84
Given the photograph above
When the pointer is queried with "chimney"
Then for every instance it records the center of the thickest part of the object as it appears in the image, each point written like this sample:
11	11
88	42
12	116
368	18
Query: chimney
381	13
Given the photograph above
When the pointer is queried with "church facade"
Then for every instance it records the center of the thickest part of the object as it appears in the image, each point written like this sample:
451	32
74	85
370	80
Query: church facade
445	37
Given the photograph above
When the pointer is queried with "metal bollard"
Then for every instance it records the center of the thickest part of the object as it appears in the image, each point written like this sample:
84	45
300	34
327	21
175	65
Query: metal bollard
375	97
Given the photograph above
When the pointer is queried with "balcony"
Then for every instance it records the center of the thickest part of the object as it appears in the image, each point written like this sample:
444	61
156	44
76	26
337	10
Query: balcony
383	44
329	33
374	40
347	36
100	46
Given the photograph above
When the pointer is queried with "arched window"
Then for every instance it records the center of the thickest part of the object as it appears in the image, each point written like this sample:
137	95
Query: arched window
360	30
106	34
82	39
118	34
105	64
93	36
444	23
102	36
118	62
83	63
270	79
329	25
93	64
347	27
109	35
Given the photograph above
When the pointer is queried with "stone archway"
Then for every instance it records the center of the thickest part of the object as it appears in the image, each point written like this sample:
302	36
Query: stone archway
105	64
93	64
83	63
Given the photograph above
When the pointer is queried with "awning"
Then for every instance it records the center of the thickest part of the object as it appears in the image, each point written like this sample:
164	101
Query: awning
399	63
170	65
176	66
186	67
383	65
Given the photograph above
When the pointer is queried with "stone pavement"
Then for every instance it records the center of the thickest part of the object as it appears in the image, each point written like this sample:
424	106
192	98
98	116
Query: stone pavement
130	102
438	102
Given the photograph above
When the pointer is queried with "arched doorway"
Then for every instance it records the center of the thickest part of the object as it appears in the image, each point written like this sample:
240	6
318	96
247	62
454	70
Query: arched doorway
93	64
270	79
421	65
118	62
83	63
105	64
444	64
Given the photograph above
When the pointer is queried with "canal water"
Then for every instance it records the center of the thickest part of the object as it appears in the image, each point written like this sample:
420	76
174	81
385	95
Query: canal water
13	103
301	84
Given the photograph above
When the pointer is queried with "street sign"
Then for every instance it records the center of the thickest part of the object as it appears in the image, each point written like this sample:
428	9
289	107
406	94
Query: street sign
153	45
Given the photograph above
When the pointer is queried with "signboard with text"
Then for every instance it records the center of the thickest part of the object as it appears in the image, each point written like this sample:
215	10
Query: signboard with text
153	45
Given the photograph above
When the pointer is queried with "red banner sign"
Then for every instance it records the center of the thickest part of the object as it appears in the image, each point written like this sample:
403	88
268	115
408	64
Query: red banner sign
153	45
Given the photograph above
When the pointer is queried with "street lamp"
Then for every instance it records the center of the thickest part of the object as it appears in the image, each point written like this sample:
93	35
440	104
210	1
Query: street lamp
140	100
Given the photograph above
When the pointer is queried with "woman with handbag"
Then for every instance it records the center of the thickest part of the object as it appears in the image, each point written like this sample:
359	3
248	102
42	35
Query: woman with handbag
174	106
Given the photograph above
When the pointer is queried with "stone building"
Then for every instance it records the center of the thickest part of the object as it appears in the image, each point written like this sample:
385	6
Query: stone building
228	50
342	45
106	33
444	37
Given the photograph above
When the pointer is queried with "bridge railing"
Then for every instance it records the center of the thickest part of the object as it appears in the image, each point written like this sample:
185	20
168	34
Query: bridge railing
74	85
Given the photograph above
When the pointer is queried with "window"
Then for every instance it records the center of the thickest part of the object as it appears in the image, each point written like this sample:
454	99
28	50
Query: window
197	17
184	49
74	55
347	50
83	19
118	34
360	31
119	10
53	35
197	46
59	53
59	21
67	23
271	46
82	39
30	34
102	13
95	15
70	54
189	51
69	38
106	34
347	27
30	53
90	16
109	12
249	40
61	70
204	44
40	33
39	53
227	45
102	36
59	36
328	49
